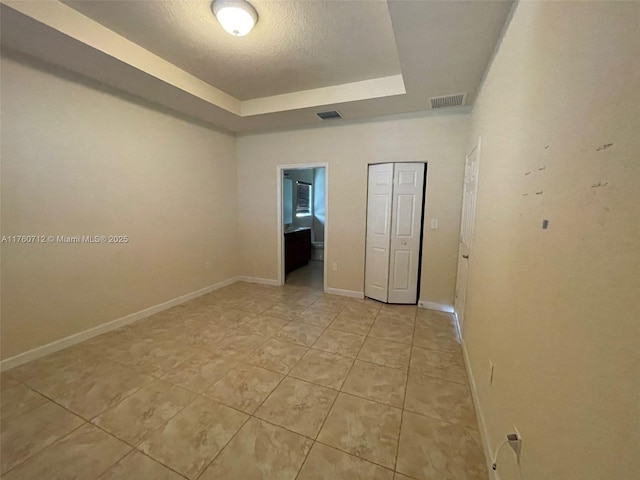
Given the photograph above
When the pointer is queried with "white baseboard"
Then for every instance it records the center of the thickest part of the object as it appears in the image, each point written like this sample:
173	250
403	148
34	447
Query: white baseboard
440	307
344	293
56	345
261	281
482	426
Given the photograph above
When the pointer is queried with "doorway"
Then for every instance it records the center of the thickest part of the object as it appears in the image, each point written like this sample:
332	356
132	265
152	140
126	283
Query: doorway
302	225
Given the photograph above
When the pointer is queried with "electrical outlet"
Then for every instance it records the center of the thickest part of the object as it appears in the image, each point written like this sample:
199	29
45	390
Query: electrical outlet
516	444
490	373
334	267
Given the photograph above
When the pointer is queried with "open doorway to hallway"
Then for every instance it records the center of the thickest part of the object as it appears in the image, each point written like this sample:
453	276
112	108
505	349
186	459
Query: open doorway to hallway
303	223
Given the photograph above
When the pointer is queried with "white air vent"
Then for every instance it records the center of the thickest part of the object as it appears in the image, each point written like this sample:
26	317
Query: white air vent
448	101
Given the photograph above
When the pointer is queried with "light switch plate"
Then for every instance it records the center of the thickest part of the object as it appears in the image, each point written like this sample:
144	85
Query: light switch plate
434	224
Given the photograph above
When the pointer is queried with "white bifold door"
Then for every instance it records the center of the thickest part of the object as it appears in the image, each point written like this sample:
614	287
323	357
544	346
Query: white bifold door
394	227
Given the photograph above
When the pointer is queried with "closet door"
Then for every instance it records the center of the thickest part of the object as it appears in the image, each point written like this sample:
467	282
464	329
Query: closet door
379	198
406	229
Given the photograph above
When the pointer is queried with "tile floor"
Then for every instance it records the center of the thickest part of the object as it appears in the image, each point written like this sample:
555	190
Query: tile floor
311	275
249	382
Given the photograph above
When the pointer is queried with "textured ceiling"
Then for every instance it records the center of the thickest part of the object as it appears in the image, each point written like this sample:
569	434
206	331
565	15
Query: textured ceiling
296	45
365	58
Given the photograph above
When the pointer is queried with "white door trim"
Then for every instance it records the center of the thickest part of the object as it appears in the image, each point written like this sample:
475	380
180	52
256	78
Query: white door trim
280	254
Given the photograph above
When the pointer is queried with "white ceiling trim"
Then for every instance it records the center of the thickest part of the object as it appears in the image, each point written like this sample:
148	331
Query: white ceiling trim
347	92
70	22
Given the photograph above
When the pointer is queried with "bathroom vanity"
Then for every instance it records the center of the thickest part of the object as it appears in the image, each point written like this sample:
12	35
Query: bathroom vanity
297	248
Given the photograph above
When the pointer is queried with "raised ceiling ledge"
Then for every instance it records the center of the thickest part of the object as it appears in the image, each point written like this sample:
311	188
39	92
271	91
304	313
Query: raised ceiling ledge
73	24
347	92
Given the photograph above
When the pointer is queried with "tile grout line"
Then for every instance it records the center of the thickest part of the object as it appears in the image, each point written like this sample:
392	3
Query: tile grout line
331	408
404	402
252	415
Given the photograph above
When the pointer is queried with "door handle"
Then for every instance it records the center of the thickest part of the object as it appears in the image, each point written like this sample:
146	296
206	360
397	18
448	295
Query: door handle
465	256
404	242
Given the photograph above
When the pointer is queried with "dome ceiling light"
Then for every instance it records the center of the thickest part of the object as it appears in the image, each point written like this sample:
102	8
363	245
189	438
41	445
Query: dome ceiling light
237	17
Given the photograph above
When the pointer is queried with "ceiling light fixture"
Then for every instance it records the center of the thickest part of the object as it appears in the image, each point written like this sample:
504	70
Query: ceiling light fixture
237	17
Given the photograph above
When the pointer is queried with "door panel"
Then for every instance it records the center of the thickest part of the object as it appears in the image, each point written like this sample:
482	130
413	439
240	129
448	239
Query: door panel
405	218
402	269
379	198
381	211
406	231
466	231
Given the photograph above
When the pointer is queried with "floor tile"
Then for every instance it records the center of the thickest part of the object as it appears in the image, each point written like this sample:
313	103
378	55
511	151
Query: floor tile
322	368
298	406
382	384
326	463
439	320
399	476
191	439
396	319
276	356
260	451
299	333
385	353
84	454
317	315
445	365
399	311
391	330
335	341
436	339
262	325
27	434
18	399
363	428
303	300
145	411
106	387
164	356
441	399
136	465
287	312
330	303
255	305
362	309
69	360
55	378
205	335
200	373
244	387
237	344
352	323
6	382
430	448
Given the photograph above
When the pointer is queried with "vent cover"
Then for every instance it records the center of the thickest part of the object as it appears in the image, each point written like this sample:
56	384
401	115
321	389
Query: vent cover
333	114
456	100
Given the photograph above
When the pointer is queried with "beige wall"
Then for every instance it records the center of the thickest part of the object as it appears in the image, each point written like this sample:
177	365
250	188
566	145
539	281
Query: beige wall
558	312
439	140
78	161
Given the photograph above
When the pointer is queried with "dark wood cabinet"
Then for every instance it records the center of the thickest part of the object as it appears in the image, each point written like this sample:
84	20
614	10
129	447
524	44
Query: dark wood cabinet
297	249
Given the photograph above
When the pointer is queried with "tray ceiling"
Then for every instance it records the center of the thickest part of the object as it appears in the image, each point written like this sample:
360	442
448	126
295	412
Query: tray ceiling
364	58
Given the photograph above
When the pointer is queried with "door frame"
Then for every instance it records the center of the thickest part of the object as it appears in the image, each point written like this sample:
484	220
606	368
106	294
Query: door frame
460	316
280	240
